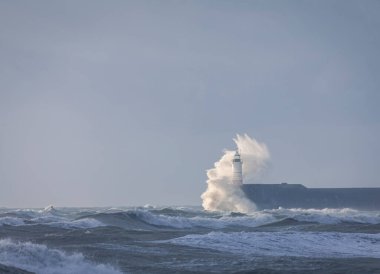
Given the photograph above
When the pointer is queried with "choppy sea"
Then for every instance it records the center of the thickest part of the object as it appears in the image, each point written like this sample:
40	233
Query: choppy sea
188	240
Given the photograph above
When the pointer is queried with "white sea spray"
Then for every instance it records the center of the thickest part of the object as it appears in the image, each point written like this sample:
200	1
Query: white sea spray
220	194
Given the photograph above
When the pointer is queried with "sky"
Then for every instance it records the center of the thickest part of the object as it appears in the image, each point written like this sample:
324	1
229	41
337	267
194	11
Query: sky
124	103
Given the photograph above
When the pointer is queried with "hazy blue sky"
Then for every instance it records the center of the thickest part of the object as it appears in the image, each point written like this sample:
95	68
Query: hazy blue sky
129	102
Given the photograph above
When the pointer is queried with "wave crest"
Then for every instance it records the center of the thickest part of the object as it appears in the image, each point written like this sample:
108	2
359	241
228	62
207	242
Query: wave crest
41	259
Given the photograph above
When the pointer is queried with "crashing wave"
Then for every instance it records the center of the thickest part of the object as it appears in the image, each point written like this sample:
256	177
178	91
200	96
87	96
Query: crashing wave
43	260
221	194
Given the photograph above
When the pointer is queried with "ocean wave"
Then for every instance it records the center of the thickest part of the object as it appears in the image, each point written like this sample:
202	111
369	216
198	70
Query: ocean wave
141	218
81	223
43	260
328	215
218	222
14	221
18	218
47	218
21	213
150	218
145	219
298	244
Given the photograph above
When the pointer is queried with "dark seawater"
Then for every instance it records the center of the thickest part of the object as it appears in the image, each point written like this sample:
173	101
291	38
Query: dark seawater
188	240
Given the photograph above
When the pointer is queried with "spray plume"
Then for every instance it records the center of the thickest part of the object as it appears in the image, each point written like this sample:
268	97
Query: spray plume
221	194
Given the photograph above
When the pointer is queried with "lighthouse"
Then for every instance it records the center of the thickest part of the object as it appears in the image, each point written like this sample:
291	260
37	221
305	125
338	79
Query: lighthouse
237	170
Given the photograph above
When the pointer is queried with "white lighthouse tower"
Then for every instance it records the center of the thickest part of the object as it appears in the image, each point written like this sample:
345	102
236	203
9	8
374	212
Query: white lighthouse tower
237	170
